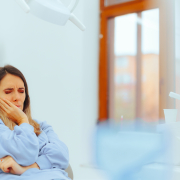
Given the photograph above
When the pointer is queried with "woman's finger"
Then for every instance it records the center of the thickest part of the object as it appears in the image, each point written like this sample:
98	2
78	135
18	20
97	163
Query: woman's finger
4	166
2	110
8	102
7	164
2	107
11	171
4	104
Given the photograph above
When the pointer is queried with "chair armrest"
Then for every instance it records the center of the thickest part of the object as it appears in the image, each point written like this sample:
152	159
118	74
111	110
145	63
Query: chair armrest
70	172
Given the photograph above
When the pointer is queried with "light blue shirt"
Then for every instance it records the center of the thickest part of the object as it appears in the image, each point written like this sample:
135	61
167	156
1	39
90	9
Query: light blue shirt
26	148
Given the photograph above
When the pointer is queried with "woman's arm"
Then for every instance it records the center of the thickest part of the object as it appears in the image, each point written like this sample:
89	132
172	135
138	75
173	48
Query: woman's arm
21	143
35	165
9	165
55	152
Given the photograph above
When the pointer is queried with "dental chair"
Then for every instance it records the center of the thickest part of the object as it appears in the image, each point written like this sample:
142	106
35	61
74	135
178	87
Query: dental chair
70	172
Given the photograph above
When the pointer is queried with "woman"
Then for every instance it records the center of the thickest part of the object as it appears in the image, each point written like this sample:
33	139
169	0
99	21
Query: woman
29	149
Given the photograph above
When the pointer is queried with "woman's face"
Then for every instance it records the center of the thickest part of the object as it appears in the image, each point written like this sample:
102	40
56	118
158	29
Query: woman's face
12	88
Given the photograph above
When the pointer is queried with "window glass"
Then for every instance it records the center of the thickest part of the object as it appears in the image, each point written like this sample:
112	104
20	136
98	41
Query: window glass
134	66
150	65
125	66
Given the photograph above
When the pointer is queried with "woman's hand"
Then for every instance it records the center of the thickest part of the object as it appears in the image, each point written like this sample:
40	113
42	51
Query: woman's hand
9	165
13	112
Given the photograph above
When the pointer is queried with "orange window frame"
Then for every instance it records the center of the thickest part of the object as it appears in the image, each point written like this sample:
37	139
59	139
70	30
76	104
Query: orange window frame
105	14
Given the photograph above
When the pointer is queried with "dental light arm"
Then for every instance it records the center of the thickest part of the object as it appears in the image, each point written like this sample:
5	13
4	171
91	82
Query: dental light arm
73	18
73	5
174	95
23	5
76	21
26	8
52	11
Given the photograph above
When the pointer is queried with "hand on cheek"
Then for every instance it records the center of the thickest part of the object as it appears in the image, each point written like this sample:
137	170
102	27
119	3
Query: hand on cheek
13	112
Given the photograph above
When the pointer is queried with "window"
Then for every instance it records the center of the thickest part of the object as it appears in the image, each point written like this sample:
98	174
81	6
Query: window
133	65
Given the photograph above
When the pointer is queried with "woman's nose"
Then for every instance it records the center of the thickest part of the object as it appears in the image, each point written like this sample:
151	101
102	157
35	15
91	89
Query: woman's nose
16	96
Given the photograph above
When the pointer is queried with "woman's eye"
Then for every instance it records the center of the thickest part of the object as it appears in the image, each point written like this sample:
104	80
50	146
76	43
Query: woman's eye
7	92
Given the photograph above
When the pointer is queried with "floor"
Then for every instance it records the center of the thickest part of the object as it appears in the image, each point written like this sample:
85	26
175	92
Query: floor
87	172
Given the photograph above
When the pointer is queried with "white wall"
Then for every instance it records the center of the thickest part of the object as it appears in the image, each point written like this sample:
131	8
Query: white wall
61	67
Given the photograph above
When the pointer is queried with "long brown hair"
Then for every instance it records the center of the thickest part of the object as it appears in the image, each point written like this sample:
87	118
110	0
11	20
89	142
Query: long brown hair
9	69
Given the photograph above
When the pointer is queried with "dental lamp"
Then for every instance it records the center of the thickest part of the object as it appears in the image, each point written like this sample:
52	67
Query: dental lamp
53	11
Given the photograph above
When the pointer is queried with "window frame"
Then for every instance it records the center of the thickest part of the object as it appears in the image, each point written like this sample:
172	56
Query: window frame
105	14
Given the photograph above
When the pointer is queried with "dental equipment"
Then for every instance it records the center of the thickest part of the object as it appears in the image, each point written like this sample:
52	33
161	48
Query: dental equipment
174	95
53	11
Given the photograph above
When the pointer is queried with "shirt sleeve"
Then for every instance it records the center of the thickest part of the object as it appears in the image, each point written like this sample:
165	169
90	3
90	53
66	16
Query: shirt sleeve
55	153
21	143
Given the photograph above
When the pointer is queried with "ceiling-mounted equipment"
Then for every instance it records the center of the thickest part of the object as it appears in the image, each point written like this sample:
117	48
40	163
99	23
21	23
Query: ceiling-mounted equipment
53	11
174	95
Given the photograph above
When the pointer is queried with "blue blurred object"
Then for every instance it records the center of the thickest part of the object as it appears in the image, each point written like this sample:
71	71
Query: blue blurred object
123	151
